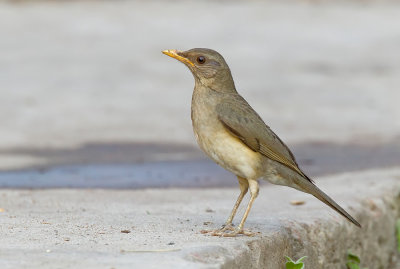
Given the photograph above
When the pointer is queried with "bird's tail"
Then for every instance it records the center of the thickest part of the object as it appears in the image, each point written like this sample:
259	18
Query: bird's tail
310	188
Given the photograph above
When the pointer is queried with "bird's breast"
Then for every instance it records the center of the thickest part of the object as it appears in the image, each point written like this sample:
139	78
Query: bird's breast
218	143
226	149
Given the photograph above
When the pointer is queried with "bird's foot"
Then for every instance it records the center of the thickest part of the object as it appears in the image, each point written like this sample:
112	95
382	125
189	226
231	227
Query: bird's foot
224	228
228	230
232	233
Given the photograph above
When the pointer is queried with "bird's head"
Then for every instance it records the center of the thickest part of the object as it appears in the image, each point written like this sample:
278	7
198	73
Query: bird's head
207	66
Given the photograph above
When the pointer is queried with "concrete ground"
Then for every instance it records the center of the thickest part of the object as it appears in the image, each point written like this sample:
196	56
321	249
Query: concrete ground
161	228
88	101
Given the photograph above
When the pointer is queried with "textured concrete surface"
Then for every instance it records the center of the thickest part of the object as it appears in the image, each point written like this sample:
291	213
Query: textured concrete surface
161	228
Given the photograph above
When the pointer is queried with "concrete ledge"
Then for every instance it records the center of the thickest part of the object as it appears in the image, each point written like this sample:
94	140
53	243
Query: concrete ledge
82	228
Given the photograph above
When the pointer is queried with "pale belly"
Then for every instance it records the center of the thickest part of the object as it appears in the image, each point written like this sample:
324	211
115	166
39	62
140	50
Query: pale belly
230	152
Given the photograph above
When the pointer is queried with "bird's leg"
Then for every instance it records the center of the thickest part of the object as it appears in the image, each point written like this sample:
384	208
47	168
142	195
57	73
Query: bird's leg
253	186
244	186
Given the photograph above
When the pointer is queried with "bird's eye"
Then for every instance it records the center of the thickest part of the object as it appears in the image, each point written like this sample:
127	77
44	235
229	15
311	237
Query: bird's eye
201	59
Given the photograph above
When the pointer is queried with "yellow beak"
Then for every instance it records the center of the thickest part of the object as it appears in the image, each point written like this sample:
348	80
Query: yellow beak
174	54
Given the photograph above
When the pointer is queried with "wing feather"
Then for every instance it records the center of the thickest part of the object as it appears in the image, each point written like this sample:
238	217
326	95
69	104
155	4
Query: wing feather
241	120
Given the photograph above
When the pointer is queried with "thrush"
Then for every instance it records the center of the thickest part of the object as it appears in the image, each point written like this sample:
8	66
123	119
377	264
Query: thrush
233	135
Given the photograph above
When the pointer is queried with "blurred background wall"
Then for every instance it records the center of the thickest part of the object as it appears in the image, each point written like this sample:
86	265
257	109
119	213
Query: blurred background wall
79	72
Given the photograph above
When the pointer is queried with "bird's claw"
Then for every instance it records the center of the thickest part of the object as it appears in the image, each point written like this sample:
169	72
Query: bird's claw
228	231
232	233
226	227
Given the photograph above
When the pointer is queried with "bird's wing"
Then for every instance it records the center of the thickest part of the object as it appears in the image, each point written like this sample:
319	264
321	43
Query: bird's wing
239	118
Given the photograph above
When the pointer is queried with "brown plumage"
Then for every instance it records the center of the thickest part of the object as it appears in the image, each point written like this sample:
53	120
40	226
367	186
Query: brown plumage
232	134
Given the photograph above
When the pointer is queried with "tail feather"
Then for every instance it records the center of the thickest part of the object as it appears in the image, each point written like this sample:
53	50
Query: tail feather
320	195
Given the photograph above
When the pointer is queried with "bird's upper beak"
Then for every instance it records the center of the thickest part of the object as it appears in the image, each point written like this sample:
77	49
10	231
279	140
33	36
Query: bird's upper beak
177	55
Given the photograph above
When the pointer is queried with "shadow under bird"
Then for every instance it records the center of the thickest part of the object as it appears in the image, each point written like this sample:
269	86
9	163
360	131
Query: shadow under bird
232	134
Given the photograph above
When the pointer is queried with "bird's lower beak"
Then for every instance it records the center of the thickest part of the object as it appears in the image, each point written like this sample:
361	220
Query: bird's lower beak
175	54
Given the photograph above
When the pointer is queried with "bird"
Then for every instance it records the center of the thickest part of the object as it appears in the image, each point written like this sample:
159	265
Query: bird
233	135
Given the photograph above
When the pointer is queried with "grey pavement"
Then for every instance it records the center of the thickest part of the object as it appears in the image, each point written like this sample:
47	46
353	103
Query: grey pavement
162	228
